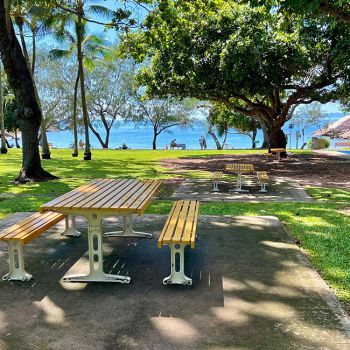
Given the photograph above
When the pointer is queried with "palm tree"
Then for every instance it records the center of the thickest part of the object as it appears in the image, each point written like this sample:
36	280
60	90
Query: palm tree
91	47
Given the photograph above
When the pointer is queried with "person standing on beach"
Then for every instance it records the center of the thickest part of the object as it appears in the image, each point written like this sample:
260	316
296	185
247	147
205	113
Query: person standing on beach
204	143
201	142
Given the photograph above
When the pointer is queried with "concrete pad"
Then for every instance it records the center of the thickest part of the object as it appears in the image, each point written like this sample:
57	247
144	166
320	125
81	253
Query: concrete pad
253	289
279	190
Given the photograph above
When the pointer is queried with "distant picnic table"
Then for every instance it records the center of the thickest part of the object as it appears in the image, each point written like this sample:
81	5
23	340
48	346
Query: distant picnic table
239	169
103	198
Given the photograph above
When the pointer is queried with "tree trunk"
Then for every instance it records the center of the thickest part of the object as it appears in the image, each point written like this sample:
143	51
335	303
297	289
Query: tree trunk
75	122
212	134
79	30
277	139
225	138
29	113
98	136
3	149
33	50
266	141
45	150
16	139
154	142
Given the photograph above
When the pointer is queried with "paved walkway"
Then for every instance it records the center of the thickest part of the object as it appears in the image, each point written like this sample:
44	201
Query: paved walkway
278	191
253	289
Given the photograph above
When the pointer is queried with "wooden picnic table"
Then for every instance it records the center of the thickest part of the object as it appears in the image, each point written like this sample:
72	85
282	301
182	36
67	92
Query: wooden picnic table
102	198
239	169
278	152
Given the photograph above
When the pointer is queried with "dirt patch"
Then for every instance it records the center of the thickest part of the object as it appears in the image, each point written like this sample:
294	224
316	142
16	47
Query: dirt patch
312	169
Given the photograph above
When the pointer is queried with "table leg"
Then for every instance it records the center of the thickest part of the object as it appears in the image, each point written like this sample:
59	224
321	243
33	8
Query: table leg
95	240
239	184
278	156
128	230
70	230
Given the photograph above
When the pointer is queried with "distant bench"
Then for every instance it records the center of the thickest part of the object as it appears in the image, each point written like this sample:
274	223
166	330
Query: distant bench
178	145
216	177
263	179
178	232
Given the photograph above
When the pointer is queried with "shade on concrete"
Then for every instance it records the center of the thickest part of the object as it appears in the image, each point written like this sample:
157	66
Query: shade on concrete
253	289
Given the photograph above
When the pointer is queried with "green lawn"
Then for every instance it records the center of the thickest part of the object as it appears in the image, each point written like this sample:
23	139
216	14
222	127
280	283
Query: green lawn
322	229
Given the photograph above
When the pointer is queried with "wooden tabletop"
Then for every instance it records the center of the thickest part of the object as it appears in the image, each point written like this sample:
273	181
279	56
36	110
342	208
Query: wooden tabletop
278	149
125	196
240	167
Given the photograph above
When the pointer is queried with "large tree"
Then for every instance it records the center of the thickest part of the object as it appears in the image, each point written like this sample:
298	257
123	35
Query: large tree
21	81
258	61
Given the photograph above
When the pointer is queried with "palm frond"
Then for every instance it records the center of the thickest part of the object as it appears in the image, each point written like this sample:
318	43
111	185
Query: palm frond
56	54
100	11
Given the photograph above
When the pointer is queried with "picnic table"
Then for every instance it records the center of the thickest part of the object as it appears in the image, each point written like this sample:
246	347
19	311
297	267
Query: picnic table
102	198
239	169
278	152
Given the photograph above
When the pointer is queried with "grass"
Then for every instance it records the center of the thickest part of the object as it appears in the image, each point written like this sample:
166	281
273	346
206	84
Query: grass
322	229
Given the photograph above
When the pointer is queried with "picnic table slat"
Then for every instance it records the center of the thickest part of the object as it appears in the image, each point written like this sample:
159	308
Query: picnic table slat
93	198
115	193
118	203
142	202
86	194
189	235
71	194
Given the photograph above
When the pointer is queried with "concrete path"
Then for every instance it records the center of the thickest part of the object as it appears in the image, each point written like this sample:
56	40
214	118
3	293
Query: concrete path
278	191
253	289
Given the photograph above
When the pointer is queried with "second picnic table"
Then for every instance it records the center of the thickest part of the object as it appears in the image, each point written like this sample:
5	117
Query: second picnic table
102	198
239	169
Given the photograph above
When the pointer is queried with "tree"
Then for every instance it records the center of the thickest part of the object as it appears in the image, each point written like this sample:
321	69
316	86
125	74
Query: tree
339	9
261	63
110	91
162	114
93	48
3	149
309	116
21	81
224	119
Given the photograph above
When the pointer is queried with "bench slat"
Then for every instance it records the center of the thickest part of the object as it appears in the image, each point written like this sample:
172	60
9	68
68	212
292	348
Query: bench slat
34	227
180	226
262	175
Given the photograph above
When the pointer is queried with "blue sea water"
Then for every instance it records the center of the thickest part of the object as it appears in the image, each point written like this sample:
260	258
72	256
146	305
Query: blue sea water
141	138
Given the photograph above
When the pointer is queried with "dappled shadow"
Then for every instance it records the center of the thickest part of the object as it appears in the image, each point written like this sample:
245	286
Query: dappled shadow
252	289
308	169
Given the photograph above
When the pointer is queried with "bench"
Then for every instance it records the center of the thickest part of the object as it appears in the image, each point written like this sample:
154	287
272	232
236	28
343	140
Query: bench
18	235
263	178
216	177
267	155
178	232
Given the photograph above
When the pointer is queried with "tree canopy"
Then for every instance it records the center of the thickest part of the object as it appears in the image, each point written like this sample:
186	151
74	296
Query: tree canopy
261	61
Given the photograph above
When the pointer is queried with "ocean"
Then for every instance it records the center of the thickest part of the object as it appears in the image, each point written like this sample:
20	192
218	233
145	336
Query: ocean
141	138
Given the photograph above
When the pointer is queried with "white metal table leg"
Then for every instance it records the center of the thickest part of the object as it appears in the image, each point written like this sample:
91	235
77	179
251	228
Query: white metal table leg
278	156
16	263
263	187
70	229
128	230
239	184
96	273
216	186
177	275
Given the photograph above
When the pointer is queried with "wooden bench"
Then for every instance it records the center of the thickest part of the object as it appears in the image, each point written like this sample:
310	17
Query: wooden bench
263	179
178	232
216	177
18	235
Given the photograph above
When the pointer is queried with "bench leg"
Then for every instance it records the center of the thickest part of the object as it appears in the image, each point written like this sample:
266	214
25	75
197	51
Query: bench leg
70	230
177	275
96	273
16	263
128	230
216	186
263	187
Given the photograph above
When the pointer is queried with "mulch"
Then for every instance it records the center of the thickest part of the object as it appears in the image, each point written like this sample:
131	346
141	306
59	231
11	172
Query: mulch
312	169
